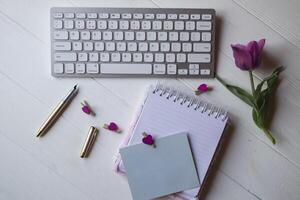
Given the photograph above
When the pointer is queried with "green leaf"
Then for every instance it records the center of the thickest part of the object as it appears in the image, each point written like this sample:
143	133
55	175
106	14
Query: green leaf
239	92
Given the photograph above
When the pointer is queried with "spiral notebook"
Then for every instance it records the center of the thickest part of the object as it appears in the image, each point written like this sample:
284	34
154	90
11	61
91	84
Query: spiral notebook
165	110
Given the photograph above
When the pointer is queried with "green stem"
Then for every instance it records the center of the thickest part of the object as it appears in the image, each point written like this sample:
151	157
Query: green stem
252	82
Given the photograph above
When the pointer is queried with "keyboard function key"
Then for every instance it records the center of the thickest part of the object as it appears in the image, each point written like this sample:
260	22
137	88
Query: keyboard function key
194	71
62	46
202	47
69	15
172	16
92	15
69	24
126	16
58	15
195	16
80	15
161	16
149	16
206	16
137	16
79	24
183	16
103	15
199	58
115	16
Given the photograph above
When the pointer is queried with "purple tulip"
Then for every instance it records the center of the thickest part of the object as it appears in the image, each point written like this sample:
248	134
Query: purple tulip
248	57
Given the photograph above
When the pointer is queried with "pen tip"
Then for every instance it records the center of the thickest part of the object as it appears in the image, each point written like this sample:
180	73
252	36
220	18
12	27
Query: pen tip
75	86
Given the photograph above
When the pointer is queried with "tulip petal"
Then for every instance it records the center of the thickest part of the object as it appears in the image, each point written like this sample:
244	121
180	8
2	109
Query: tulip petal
261	44
254	51
242	57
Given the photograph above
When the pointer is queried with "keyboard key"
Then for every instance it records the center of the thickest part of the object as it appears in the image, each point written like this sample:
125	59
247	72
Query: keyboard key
190	25
182	71
195	16
82	57
143	46
107	68
77	46
160	16
159	57
195	36
80	68
205	71
80	15
138	16
96	35
91	24
115	15
204	26
126	16
179	25
194	71
173	36
92	15
104	57
58	24
159	68
110	46
103	15
165	46
92	68
168	25
124	25
102	24
69	68
61	35
132	46
186	47
121	46
93	57
162	36
57	15
69	24
206	16
181	57
69	15
99	46
126	57
137	57
107	35
184	36
85	35
171	69
206	36
74	35
148	57
140	36
115	57
65	57
193	66
113	24
58	68
129	35
88	46
62	46
149	16
146	25
176	47
199	58
154	46
183	16
79	24
135	25
202	47
151	36
157	25
170	57
172	16
118	35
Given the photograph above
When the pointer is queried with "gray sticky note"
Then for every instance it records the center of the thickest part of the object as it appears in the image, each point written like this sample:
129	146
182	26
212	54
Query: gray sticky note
166	169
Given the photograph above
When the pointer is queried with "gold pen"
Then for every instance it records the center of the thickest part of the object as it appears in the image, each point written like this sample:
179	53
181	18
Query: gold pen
89	142
56	113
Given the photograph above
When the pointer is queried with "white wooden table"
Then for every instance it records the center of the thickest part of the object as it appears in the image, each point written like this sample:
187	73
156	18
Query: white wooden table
50	167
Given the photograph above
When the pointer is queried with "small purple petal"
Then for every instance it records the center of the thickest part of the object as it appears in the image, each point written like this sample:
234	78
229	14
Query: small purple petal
242	57
202	88
148	140
86	110
113	126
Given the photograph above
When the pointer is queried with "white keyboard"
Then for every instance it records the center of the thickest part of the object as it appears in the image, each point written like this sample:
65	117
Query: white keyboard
116	42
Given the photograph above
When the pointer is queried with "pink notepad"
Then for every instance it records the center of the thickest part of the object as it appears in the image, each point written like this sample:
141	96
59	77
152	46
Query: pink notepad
164	111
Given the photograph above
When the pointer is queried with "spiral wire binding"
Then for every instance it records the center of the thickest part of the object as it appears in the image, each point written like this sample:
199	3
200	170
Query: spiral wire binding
197	104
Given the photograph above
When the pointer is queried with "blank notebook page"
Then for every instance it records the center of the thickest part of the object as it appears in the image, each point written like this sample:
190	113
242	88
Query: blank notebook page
161	117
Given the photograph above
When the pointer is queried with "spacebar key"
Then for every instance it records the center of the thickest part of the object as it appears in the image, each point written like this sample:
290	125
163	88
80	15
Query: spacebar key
107	68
